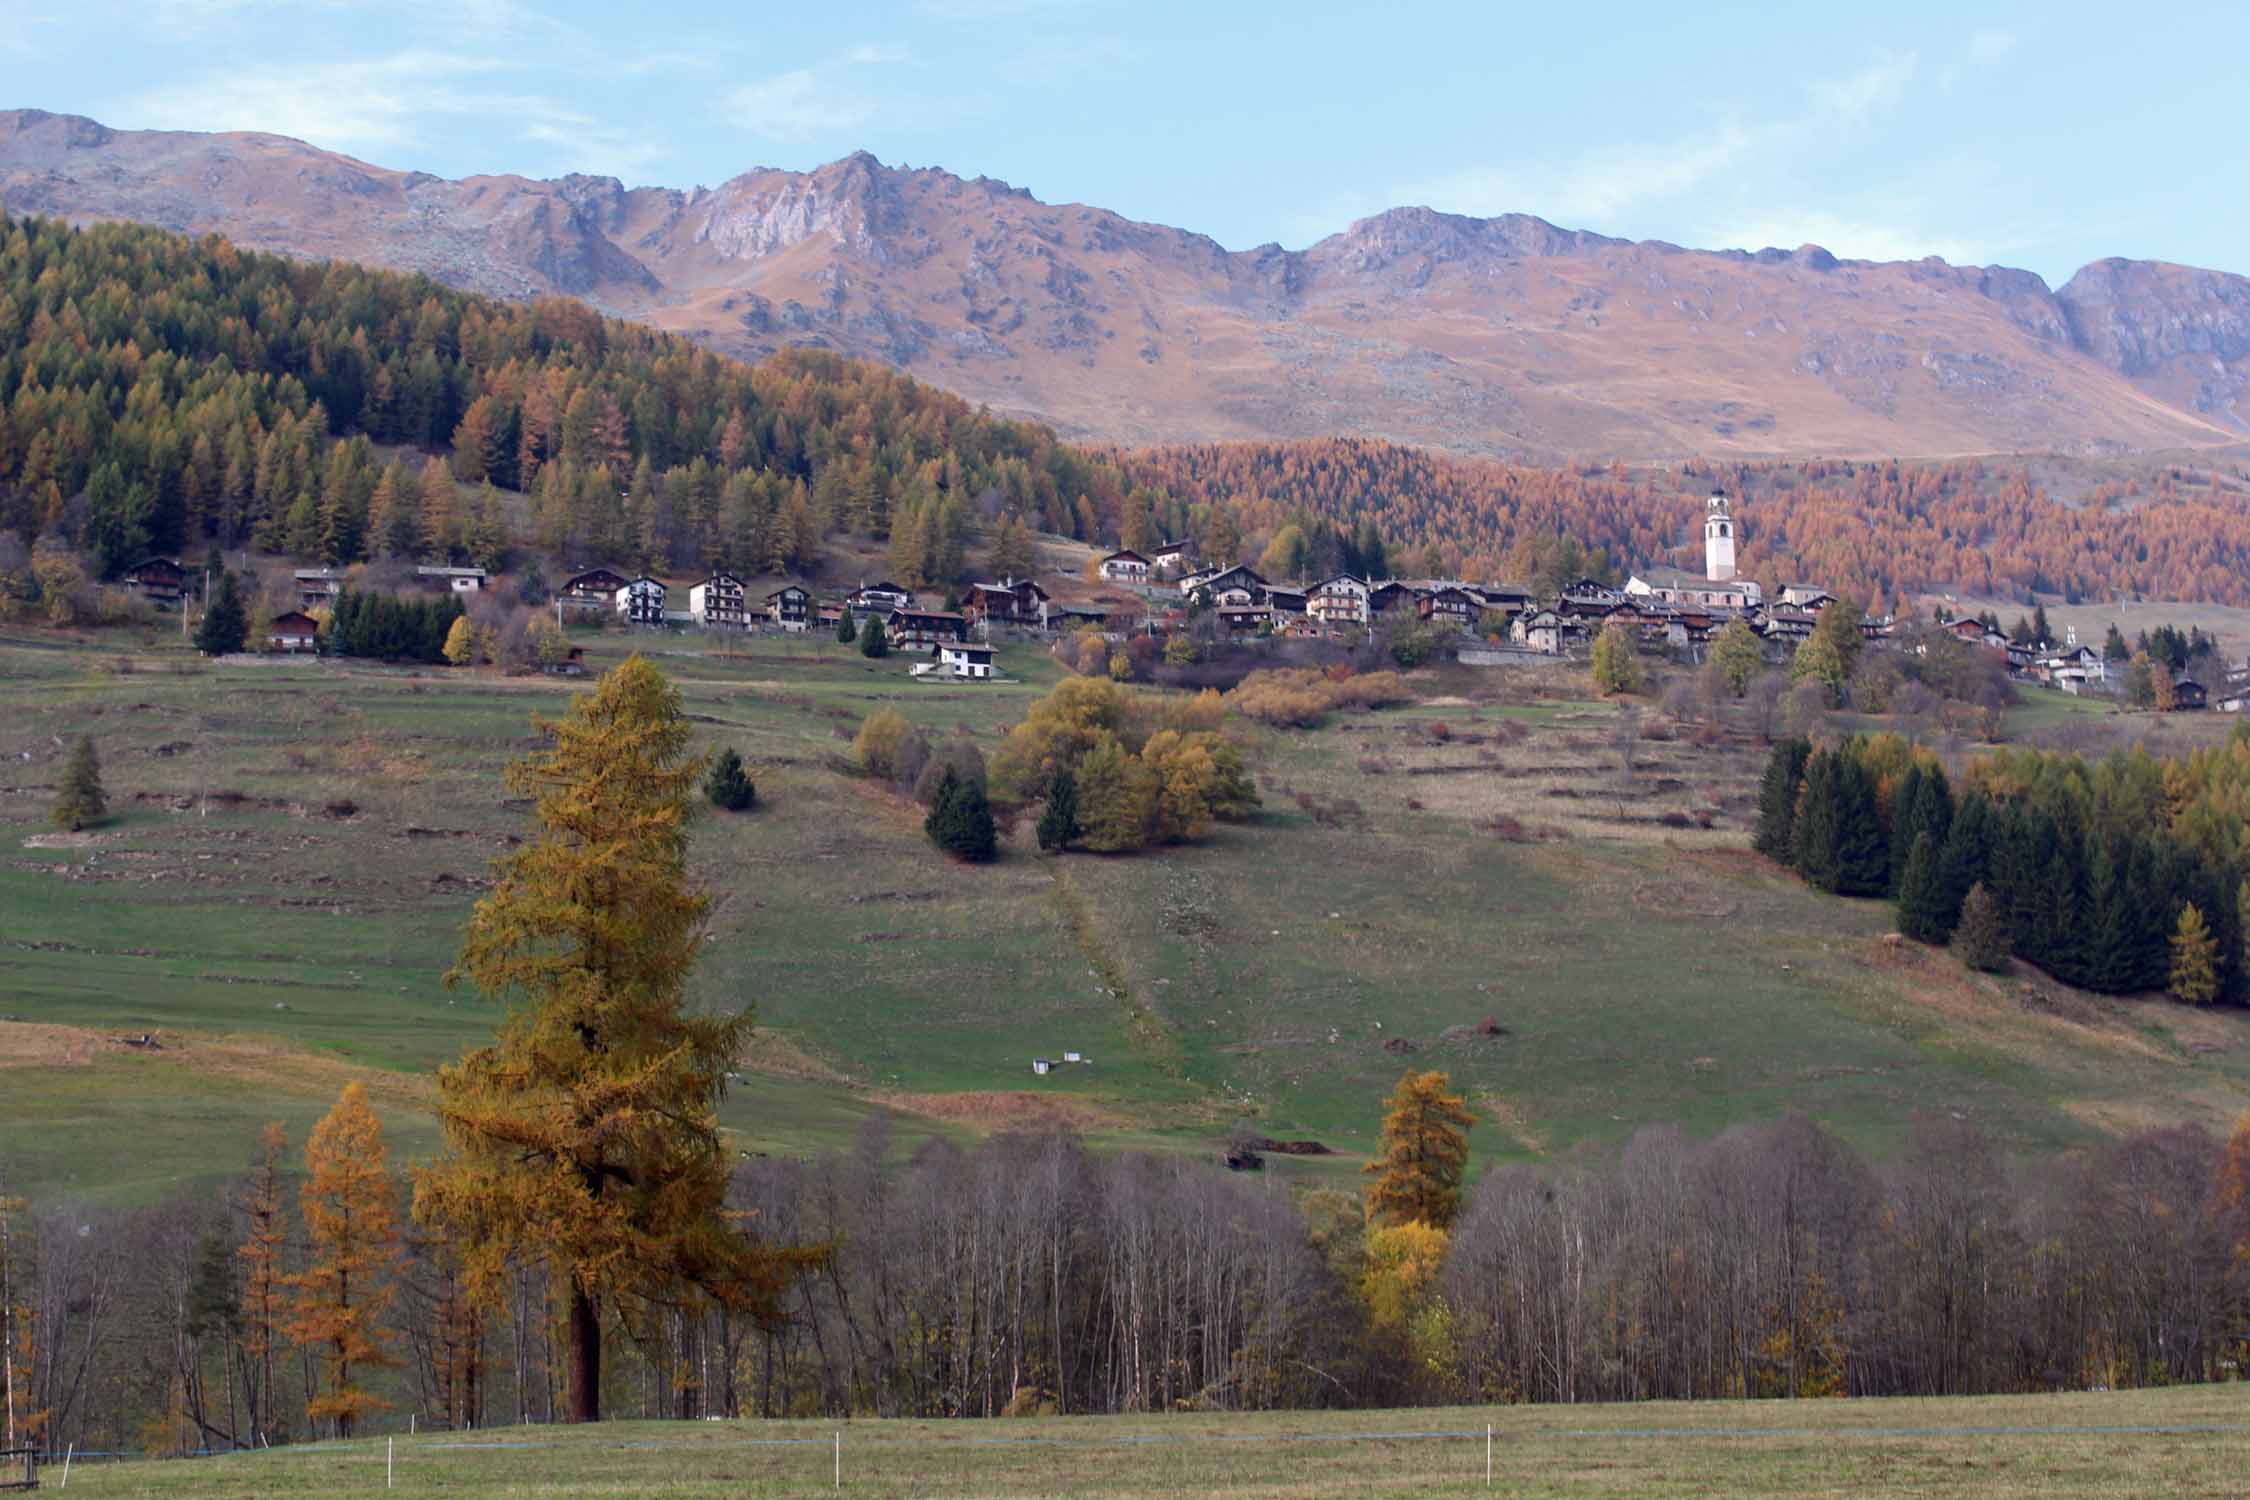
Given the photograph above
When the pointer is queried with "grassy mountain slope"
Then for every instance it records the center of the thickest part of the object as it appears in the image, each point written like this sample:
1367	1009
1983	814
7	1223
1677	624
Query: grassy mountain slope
298	843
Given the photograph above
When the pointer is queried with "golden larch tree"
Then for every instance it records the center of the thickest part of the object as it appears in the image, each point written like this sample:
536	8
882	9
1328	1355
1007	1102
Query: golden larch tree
586	1137
1425	1149
350	1208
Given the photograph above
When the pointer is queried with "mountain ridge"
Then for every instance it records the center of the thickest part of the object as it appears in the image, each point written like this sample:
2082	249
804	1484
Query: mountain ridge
1506	336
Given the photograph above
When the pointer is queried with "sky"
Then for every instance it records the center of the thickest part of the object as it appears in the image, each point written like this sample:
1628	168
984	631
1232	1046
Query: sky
2041	136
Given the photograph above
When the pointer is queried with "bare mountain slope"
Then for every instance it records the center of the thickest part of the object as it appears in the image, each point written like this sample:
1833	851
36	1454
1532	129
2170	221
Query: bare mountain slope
1506	336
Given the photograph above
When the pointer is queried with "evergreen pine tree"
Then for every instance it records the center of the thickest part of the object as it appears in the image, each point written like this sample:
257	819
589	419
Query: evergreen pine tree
1905	822
1981	936
847	630
1965	853
1815	833
80	802
1921	911
1058	824
728	785
874	639
1777	799
960	819
1862	858
224	626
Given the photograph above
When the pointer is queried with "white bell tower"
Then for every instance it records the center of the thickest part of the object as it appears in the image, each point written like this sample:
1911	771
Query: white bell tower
1718	539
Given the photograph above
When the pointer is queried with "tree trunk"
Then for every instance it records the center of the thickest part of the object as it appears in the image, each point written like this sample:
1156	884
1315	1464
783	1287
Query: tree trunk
585	1358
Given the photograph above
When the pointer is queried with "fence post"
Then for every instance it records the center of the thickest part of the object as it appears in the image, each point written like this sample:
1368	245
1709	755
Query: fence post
68	1455
1488	1455
839	1458
390	1449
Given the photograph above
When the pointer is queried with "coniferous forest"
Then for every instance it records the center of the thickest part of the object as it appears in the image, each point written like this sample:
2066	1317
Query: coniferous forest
2120	875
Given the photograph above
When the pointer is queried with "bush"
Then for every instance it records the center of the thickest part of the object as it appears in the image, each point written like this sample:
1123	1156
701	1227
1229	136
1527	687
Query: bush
1302	697
728	785
880	739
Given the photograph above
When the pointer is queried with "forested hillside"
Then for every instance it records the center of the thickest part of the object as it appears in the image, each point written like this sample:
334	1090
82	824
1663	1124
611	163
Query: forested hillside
163	392
1880	530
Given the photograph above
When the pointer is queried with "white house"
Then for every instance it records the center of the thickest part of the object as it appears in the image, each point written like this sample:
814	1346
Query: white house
717	603
790	607
641	602
1678	586
960	659
1172	558
1341	600
459	580
1125	566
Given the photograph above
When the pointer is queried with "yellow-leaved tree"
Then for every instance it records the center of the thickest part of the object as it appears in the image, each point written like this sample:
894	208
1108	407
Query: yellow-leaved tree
1425	1148
350	1207
586	1137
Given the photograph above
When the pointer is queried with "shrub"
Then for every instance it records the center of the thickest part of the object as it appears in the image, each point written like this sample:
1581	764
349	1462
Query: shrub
879	741
1303	697
728	785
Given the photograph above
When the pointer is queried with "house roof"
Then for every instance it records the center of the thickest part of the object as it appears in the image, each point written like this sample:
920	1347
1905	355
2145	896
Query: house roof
1681	579
723	578
1123	553
962	648
790	588
295	622
431	570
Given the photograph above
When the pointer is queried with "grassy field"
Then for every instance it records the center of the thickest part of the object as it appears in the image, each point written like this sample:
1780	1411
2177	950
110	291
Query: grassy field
1540	895
2187	1442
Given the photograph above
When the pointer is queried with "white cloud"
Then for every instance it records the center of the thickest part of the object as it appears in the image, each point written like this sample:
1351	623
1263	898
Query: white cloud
797	106
380	105
805	104
1874	89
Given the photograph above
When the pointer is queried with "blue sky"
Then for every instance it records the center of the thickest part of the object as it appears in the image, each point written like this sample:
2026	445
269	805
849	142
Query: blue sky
2039	136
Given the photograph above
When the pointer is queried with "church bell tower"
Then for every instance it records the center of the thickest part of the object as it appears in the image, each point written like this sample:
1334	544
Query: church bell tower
1718	539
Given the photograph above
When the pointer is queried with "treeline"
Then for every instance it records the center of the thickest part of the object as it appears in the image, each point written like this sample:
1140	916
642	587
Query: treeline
387	627
1969	526
160	391
2121	875
1030	1274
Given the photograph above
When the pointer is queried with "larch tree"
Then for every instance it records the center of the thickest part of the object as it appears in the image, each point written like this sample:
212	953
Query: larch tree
350	1208
266	1237
585	1138
2194	973
460	648
1617	666
1425	1150
1981	936
1737	655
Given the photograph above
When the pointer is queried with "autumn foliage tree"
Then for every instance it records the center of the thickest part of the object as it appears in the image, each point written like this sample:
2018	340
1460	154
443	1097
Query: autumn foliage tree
266	1236
350	1208
1425	1150
586	1137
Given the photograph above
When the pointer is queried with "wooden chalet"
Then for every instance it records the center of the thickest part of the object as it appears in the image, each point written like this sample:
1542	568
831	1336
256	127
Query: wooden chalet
1587	600
1782	623
1287	602
159	580
2188	694
1391	597
573	664
1510	598
1125	566
790	607
1173	557
1806	596
293	632
925	628
1450	605
594	589
1216	579
1011	601
319	586
718	603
